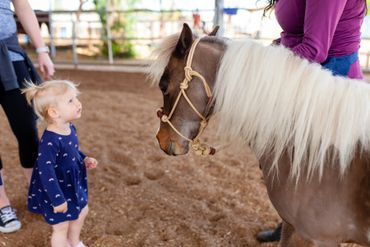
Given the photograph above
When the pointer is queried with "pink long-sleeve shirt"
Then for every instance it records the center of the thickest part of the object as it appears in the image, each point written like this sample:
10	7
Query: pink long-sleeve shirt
318	29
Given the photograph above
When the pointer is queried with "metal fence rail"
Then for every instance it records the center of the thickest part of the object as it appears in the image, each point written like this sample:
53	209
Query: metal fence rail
76	37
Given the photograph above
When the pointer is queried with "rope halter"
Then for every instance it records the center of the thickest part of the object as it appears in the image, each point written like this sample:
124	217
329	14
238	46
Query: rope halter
197	146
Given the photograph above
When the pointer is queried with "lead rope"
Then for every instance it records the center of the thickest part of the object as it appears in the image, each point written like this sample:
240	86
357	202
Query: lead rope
198	147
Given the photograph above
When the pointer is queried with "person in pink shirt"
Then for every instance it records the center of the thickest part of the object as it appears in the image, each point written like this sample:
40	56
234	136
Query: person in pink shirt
322	31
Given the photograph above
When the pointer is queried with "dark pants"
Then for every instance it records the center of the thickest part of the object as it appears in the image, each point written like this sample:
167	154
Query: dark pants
21	117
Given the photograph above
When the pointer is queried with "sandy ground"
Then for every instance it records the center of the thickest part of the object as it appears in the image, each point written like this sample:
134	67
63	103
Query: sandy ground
138	195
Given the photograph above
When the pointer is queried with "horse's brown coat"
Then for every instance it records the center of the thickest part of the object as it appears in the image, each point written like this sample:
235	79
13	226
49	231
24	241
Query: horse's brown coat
326	212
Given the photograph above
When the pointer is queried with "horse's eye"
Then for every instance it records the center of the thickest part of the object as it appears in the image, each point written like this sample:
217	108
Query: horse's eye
163	83
163	86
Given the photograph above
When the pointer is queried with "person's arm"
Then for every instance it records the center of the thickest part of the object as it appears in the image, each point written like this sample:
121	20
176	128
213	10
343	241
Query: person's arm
276	41
46	163
320	23
29	22
82	154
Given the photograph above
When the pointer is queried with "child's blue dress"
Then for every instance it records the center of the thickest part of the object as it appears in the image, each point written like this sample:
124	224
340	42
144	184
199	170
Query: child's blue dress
59	176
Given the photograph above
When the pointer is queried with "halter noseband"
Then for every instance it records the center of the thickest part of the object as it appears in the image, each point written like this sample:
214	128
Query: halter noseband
199	148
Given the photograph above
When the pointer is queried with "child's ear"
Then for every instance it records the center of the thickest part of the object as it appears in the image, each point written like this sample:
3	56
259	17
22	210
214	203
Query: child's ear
53	113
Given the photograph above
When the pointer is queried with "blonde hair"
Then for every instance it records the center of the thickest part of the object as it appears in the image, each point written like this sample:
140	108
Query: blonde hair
280	103
41	97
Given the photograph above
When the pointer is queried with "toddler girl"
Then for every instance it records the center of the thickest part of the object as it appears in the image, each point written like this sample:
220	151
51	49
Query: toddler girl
58	188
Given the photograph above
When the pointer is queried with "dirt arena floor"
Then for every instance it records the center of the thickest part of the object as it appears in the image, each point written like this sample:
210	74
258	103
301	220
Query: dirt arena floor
138	195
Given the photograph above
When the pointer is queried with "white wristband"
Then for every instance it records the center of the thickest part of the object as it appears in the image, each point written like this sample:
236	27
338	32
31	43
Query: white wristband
43	49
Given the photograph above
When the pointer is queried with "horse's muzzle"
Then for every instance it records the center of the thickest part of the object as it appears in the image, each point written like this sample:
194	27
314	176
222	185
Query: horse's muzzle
170	146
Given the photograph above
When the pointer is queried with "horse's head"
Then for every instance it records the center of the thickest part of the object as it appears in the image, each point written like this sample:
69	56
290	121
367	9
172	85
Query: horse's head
186	84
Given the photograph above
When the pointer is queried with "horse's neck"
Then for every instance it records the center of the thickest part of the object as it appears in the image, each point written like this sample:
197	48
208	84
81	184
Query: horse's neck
213	52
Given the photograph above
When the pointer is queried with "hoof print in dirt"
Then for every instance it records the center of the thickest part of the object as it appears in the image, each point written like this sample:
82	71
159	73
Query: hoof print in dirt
217	217
134	180
154	174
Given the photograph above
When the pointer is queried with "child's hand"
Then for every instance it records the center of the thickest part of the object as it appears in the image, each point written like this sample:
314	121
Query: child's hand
61	208
90	163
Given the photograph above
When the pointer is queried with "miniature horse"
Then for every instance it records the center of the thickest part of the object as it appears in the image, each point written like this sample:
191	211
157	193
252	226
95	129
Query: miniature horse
309	129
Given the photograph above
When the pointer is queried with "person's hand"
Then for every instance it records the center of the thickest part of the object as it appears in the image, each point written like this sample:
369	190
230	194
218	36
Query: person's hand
46	65
90	163
276	41
61	208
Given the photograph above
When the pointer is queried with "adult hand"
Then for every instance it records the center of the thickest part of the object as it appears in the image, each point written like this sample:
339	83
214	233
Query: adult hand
276	41
62	208
46	65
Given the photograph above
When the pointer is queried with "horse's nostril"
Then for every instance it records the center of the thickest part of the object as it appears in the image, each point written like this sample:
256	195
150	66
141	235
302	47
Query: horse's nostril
170	147
160	112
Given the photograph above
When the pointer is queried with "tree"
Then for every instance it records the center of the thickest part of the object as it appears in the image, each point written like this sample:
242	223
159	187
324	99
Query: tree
121	25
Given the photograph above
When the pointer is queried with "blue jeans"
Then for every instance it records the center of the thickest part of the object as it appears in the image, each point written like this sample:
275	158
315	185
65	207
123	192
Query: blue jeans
340	65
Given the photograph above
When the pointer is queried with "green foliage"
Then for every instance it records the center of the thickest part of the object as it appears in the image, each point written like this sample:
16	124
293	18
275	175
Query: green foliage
121	49
122	25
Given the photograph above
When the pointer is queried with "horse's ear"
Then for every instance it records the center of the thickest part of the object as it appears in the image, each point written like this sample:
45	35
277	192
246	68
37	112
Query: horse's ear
214	31
185	41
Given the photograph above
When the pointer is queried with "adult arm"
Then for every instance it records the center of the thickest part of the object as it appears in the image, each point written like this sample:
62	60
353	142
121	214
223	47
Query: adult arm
29	22
320	23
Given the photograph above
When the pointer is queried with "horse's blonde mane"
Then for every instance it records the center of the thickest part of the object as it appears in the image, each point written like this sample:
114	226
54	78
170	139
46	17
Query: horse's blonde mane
278	102
161	56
